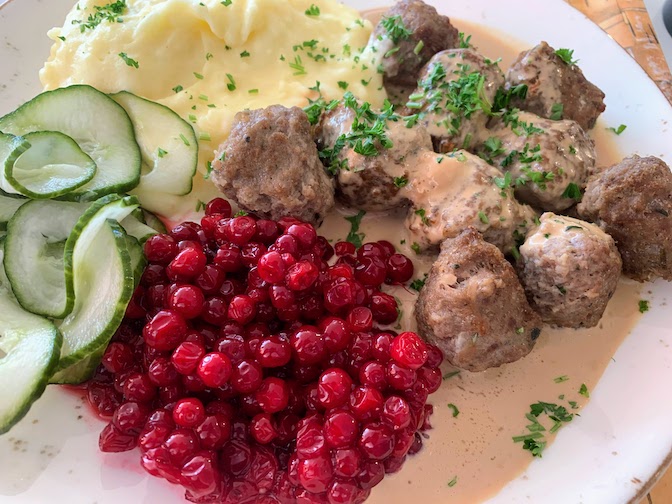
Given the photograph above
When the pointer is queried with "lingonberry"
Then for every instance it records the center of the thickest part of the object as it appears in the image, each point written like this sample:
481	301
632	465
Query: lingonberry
187	300
165	331
409	350
214	369
160	249
188	412
333	388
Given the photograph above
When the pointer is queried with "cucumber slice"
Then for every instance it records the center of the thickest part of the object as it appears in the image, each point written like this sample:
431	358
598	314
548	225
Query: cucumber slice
34	247
154	222
101	128
103	285
11	147
138	260
30	347
8	207
80	371
137	229
168	144
54	165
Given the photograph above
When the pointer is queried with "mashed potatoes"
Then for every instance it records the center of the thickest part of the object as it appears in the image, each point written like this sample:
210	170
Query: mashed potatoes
209	59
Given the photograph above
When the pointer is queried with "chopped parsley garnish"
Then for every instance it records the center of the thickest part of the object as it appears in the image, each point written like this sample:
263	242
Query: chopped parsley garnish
561	379
343	85
61	37
178	88
208	56
395	28
200	205
415	247
240	213
583	390
535	447
184	140
313	10
129	61
569	228
492	148
618	130
454	408
556	111
231	85
297	66
503	183
204	136
562	289
418	284
160	152
503	97
110	12
572	149
465	42
573	404
448	376
245	54
423	217
400	182
643	306
572	191
535	441
226	3
354	236
208	168
315	108
483	218
452	482
198	76
566	55
418	47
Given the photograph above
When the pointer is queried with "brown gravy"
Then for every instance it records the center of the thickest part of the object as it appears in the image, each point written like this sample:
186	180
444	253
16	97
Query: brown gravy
492	405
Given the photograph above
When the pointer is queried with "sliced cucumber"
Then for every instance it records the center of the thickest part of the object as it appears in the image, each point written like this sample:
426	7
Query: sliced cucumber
54	165
80	371
8	207
34	251
168	144
30	347
154	222
11	147
138	260
137	229
103	284
97	123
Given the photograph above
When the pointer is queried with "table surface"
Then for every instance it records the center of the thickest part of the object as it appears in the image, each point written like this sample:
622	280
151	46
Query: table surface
629	23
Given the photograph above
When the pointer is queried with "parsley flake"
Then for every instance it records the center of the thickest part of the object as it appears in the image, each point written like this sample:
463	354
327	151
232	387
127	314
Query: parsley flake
643	306
561	379
566	55
160	152
618	130
421	213
128	60
452	482
572	191
178	88
400	182
395	28
313	10
110	12
455	410
354	236
556	111
231	85
415	247
583	390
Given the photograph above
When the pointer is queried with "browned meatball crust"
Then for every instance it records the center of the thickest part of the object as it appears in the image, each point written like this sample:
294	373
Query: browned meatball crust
368	182
397	36
473	306
552	81
544	158
455	91
569	269
632	201
269	165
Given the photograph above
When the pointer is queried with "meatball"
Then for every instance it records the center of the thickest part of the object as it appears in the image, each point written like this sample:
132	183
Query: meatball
372	182
555	88
632	201
569	269
549	161
453	191
408	35
473	307
269	165
454	97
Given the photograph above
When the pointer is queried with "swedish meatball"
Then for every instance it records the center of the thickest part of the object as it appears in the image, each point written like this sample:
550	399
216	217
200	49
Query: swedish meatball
406	37
544	158
473	307
269	165
454	95
569	269
368	182
453	191
555	88
632	201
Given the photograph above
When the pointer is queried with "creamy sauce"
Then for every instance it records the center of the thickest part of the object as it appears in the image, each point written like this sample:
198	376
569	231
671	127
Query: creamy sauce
474	449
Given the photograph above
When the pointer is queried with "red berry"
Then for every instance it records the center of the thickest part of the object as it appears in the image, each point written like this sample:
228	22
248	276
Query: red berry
214	369
273	351
160	249
340	429
334	388
165	331
186	357
315	474
301	276
187	300
189	412
272	395
242	309
409	350
218	206
262	428
399	268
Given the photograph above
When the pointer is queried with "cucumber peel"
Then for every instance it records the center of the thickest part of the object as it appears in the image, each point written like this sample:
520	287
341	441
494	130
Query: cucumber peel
30	346
53	166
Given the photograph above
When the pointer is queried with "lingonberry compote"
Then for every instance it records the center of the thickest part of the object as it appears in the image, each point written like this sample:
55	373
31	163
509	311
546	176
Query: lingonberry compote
252	366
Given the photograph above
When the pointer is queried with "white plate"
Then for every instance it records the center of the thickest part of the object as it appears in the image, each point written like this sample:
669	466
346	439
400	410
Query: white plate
623	437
